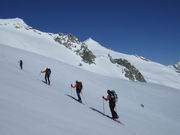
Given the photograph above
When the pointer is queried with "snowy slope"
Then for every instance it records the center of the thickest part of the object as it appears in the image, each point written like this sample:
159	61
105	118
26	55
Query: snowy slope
28	106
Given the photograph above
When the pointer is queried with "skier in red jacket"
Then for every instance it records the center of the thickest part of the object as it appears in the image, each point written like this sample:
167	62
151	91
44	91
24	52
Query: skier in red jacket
78	87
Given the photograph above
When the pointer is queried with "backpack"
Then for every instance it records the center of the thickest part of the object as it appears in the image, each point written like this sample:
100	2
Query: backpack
113	96
48	71
80	86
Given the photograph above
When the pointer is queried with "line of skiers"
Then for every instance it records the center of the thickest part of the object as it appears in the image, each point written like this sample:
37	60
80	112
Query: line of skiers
111	94
47	72
111	97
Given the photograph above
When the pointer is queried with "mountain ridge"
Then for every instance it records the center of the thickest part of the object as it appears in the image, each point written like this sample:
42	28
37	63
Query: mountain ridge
88	55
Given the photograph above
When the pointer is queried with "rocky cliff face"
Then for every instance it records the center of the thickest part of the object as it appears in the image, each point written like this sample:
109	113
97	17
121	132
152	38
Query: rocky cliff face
80	48
130	71
68	40
86	54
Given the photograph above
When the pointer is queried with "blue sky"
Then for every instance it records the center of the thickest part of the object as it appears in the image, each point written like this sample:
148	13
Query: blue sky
150	28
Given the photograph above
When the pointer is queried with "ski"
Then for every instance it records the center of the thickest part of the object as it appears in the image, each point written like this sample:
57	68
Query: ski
74	98
115	120
45	82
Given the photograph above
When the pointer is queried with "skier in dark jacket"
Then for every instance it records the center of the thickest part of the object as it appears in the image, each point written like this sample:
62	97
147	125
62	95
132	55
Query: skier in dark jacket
47	73
21	64
112	104
78	87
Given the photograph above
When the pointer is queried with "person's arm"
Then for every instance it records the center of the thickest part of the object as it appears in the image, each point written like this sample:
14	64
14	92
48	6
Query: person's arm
106	98
43	71
73	86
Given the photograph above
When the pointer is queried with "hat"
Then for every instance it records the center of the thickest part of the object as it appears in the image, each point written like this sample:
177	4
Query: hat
108	91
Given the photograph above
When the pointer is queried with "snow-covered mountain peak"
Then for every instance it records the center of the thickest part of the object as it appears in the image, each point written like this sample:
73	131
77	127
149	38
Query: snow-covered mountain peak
15	22
91	42
95	46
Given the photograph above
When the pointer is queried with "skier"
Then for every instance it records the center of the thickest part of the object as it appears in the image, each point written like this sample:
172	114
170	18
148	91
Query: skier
21	64
112	97
78	87
47	72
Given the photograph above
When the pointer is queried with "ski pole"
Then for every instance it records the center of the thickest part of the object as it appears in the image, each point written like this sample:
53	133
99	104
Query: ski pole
71	89
71	92
116	108
83	97
39	76
103	107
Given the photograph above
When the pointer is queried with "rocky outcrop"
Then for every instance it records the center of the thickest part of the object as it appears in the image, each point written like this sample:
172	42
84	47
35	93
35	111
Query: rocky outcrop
130	71
176	67
68	40
86	54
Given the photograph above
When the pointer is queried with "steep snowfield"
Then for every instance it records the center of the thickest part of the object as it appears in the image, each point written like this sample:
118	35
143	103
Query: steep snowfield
29	106
15	33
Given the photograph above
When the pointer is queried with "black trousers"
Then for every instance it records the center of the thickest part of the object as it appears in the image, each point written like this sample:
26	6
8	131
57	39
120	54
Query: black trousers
78	92
78	95
112	106
47	79
21	66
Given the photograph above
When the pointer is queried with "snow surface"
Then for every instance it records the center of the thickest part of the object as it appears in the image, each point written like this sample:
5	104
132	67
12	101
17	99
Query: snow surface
28	106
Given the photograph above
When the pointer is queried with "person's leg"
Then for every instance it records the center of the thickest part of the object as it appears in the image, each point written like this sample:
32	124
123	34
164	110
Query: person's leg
79	97
46	78
111	109
114	114
21	66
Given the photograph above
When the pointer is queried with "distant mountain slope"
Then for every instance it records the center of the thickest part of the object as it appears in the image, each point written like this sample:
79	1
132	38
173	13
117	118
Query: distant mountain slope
88	55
